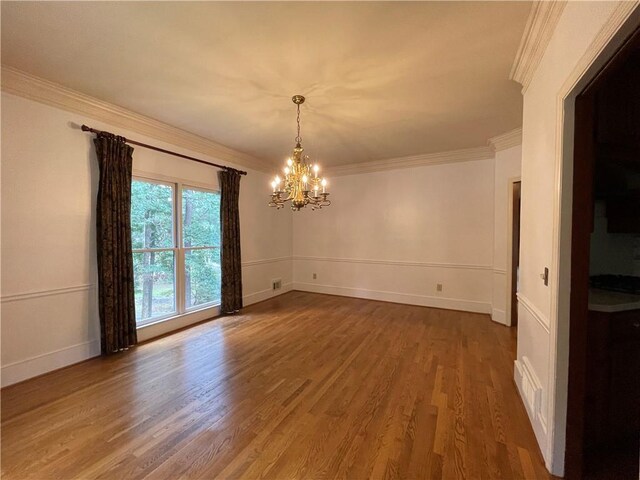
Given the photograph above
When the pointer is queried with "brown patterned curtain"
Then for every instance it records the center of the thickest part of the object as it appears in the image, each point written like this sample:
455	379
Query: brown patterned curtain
230	228
115	261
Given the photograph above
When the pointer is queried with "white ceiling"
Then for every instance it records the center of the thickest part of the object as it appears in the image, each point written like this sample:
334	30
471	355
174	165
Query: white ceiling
382	80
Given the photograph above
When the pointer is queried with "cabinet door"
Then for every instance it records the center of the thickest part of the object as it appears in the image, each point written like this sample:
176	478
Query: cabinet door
624	412
622	214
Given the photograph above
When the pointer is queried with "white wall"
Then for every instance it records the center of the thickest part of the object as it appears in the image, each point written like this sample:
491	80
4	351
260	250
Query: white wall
394	235
541	368
507	169
49	187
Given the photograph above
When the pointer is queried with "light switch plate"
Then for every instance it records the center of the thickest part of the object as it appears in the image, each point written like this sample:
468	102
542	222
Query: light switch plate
545	276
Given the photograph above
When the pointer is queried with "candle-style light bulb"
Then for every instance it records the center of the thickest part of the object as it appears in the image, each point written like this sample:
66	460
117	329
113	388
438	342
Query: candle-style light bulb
305	179
289	162
273	184
286	170
277	180
315	170
324	184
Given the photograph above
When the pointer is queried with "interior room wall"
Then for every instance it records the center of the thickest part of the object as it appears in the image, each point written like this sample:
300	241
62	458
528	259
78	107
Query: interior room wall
49	187
583	30
395	235
507	168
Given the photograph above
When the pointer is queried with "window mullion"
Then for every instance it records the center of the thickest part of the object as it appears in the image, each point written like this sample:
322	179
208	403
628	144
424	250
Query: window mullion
180	266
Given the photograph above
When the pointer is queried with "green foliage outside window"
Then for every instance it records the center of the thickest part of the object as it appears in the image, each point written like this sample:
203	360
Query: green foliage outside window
201	228
152	223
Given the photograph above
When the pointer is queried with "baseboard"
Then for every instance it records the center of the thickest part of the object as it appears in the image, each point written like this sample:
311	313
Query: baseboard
262	295
396	297
499	316
47	362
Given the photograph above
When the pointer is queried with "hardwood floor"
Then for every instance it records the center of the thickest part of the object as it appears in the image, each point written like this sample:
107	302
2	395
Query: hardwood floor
300	386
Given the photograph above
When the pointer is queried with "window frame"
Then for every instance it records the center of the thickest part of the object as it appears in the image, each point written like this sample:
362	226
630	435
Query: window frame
178	185
184	249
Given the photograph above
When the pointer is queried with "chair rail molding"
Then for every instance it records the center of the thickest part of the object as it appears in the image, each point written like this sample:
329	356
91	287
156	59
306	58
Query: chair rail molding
15	297
542	21
38	89
263	261
533	310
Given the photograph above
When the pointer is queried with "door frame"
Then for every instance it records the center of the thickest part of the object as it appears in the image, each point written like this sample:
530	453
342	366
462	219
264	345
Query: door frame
509	283
582	226
623	21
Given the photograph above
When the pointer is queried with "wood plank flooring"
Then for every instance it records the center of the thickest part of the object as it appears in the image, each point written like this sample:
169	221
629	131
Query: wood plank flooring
300	386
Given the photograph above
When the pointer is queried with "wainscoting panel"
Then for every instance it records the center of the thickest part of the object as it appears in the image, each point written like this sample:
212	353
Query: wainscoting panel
28	352
464	287
531	390
266	294
531	372
40	334
536	314
258	277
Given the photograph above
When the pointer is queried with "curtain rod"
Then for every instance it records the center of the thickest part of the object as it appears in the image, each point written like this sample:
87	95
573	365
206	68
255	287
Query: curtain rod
86	128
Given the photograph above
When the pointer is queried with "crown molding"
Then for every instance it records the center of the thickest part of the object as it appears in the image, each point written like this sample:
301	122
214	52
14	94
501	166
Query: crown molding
453	156
25	85
542	21
34	88
506	140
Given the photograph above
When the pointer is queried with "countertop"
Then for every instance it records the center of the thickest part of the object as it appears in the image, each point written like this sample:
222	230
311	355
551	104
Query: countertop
611	302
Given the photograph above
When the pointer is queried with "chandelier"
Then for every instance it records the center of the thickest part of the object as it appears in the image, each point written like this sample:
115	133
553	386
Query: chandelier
301	183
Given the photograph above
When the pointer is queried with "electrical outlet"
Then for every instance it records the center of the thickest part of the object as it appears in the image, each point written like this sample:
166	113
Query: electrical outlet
315	276
276	284
438	287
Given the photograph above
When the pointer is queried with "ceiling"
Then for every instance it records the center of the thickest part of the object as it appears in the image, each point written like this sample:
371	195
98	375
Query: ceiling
382	80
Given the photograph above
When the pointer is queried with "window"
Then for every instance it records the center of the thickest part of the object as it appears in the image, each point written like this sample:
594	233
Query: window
176	259
200	240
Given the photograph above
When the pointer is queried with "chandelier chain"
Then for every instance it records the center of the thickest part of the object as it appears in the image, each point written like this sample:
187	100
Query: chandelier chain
298	137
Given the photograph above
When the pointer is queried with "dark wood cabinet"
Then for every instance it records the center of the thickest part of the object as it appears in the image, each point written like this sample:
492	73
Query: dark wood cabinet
613	378
623	214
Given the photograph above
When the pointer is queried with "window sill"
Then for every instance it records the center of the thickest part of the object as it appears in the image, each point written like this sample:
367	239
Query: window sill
169	324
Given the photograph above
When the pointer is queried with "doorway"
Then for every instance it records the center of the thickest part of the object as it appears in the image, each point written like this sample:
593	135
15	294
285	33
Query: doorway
603	414
513	251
